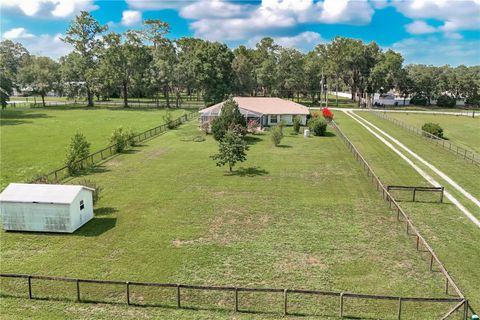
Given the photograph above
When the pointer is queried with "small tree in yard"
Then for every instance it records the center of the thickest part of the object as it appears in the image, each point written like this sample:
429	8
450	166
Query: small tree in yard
317	126
167	118
78	149
296	124
276	134
434	129
231	150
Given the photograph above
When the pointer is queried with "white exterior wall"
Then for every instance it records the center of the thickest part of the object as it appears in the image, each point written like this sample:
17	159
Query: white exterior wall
79	217
43	217
288	118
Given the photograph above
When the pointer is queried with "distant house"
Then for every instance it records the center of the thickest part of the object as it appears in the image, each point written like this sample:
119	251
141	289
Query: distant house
45	207
265	110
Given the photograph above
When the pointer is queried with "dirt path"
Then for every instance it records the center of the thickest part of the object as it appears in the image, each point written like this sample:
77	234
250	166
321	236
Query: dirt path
368	125
450	113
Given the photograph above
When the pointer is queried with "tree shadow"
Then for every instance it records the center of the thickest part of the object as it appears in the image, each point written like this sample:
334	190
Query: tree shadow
248	172
329	134
284	146
104	211
16	117
251	140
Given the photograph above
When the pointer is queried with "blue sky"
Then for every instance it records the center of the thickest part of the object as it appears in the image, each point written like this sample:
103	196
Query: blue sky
434	32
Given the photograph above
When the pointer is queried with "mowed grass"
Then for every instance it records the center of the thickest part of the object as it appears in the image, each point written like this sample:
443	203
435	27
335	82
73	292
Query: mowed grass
302	215
460	130
452	235
33	141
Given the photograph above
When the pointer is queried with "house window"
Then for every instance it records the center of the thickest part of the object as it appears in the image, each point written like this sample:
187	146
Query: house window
81	205
273	118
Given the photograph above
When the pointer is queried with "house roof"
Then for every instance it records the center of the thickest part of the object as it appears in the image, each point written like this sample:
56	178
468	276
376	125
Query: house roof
261	105
41	193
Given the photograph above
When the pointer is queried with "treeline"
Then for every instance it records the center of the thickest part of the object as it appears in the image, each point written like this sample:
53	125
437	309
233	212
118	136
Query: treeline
145	63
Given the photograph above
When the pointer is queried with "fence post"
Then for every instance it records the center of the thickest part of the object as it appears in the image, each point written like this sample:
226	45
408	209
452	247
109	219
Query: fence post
285	311
30	287
441	195
465	310
414	191
178	296
446	285
236	300
431	262
399	313
78	290
128	292
341	305
418	241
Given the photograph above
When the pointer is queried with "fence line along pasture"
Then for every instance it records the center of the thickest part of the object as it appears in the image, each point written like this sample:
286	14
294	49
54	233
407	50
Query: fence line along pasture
100	155
458	151
28	104
284	292
410	228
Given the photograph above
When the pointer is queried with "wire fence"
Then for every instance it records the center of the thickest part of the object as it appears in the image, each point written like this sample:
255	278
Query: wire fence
131	104
421	243
100	155
457	150
287	303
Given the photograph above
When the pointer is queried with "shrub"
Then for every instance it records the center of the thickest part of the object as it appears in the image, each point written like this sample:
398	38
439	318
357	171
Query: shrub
419	100
230	118
446	101
122	138
317	126
253	126
94	185
433	128
78	149
276	134
473	100
296	124
168	119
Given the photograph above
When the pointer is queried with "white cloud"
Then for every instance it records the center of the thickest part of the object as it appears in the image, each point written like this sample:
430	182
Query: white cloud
157	4
17	33
237	22
420	27
303	41
455	15
131	17
438	51
49	8
213	9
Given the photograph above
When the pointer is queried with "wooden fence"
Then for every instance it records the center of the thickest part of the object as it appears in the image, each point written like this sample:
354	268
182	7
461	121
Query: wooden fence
235	291
414	190
100	155
133	105
458	151
410	228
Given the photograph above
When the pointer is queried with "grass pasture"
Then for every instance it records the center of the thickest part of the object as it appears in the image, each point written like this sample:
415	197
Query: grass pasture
302	215
453	236
33	141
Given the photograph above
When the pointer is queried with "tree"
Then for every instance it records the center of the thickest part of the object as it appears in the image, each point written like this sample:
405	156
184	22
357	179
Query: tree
230	119
5	90
12	58
78	149
72	75
276	134
162	69
42	74
244	71
83	34
232	149
266	64
289	72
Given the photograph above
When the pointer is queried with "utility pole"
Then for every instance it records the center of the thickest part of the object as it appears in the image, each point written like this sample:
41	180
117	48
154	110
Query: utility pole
321	90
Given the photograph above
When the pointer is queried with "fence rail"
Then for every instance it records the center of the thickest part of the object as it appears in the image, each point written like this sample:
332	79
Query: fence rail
235	290
457	150
414	190
100	155
131	104
411	229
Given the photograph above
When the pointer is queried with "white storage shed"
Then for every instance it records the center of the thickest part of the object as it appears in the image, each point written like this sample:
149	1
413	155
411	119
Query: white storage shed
45	207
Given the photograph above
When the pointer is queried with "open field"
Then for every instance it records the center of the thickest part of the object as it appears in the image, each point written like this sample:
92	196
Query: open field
449	232
463	131
33	141
303	215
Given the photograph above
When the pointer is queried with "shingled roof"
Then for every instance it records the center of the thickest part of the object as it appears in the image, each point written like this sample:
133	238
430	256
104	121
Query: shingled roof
261	105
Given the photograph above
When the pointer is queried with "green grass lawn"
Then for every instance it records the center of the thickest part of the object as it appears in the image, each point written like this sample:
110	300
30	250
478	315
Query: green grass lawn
33	141
303	215
462	131
449	232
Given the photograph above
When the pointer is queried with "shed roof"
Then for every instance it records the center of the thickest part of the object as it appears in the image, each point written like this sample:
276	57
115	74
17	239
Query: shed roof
41	193
262	105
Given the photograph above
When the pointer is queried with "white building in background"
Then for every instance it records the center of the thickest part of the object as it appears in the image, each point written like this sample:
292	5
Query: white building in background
45	207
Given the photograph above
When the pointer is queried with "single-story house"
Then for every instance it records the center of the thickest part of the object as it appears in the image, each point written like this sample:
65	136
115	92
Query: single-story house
45	207
266	111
